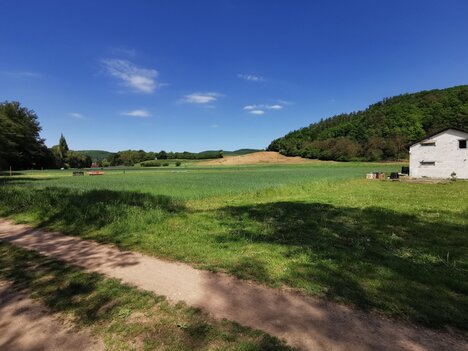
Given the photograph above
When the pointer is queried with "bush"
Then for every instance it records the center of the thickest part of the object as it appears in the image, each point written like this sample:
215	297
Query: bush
165	164
151	164
178	163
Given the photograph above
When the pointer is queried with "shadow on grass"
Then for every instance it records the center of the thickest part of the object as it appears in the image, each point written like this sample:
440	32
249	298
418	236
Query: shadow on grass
372	258
7	173
4	180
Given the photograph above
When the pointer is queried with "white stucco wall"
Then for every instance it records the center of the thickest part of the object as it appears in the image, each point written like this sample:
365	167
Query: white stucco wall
446	154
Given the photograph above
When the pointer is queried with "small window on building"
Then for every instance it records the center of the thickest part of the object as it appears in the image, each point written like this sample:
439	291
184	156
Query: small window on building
428	143
462	144
427	163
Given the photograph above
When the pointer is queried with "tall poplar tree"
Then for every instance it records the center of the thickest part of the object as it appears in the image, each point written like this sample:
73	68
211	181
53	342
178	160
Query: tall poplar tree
63	148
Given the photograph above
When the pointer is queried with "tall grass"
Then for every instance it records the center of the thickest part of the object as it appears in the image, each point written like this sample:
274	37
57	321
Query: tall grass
394	248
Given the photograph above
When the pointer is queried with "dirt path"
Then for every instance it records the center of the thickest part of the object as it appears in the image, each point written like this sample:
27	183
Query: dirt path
305	322
26	325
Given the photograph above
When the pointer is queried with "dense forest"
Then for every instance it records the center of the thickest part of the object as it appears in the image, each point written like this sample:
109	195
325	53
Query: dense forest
381	132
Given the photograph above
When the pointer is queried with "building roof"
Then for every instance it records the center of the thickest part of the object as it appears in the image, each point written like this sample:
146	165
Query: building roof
437	133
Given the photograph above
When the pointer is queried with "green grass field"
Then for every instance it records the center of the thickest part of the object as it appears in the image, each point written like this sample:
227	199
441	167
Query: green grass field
395	248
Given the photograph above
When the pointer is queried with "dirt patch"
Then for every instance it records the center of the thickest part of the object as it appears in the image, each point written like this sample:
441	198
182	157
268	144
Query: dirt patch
27	325
262	157
304	322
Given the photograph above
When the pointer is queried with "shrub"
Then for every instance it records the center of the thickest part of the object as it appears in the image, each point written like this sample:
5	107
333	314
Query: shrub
151	164
178	163
165	164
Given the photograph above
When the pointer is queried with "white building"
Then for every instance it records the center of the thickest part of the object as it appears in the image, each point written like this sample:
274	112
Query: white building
440	155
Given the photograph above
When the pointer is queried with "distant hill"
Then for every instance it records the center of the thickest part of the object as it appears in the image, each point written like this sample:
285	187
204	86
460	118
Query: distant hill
383	131
96	155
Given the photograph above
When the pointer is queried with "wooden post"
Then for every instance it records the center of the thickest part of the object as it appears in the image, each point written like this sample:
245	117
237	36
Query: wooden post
10	172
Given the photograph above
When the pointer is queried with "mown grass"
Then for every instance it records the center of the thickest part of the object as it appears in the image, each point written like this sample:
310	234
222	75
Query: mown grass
396	248
124	317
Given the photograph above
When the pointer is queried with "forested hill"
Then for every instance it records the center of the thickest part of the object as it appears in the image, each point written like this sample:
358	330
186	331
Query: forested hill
381	132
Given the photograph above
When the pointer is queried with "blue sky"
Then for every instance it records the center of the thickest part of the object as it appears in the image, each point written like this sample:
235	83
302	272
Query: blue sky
219	74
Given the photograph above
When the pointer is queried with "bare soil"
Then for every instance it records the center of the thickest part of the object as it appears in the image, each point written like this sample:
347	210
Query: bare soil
26	325
262	157
304	322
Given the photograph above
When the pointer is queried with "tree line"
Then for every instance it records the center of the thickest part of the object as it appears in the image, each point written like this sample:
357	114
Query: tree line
132	157
21	146
383	131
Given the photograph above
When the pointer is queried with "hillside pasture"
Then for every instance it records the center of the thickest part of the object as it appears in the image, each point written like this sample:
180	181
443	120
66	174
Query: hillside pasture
393	248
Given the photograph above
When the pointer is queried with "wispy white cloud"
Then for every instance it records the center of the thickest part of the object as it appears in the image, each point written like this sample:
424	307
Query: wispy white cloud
262	106
274	107
201	98
251	77
214	126
250	107
257	112
76	115
138	79
141	113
